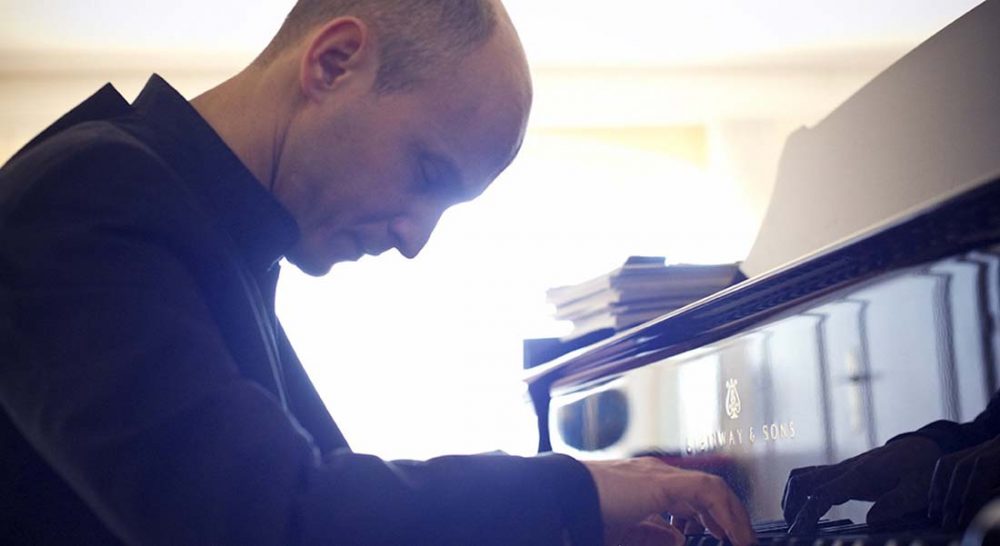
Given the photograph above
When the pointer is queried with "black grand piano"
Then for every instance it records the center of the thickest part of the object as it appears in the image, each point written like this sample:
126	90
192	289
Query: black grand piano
872	307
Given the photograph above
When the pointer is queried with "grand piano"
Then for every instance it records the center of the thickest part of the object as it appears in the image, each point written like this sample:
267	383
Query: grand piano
872	307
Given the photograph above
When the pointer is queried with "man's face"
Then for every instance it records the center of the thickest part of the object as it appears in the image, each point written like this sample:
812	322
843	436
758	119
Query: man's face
369	172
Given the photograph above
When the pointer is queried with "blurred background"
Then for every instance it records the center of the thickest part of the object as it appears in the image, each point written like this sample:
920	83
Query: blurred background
656	130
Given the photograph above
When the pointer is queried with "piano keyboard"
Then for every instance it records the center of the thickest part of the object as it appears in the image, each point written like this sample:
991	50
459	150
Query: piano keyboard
841	532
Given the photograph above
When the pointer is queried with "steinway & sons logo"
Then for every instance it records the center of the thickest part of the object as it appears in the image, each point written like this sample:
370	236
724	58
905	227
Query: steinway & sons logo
733	405
738	436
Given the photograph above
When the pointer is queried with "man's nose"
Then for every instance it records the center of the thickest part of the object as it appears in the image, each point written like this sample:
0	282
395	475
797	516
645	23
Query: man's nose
413	230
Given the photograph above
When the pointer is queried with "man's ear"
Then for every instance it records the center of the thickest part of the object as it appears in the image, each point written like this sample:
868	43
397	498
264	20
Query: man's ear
338	52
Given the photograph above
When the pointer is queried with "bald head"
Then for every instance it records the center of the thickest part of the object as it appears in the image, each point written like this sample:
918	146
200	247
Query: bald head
415	37
375	117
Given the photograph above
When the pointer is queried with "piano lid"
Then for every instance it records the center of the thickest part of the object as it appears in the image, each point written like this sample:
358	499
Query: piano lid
967	219
925	126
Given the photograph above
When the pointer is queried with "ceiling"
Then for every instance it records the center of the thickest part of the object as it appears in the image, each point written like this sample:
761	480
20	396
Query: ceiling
555	32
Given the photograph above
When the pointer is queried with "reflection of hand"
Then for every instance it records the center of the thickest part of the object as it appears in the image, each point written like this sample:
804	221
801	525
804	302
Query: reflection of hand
633	492
963	482
896	476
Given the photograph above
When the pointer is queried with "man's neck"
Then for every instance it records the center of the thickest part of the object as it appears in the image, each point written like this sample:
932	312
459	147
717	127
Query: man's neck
248	115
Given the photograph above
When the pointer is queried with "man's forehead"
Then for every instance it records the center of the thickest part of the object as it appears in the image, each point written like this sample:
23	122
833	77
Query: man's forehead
482	104
489	141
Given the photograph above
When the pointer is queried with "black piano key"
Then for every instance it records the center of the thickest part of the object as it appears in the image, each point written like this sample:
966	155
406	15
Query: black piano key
835	525
770	526
844	529
695	539
779	526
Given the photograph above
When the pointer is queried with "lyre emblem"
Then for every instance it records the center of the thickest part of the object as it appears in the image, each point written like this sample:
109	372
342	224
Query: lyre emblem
733	404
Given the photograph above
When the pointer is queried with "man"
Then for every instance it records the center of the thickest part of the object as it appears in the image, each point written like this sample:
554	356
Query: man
150	395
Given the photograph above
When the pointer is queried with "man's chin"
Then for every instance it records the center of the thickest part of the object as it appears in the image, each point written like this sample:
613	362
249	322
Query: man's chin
317	260
310	265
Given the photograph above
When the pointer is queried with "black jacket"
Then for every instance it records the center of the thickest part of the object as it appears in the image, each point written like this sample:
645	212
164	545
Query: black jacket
149	394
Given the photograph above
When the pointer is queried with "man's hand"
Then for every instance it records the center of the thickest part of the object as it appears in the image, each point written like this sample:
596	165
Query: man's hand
963	482
634	492
896	476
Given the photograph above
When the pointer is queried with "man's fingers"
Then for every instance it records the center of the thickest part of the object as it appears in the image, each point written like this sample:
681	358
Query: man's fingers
837	491
696	521
793	487
632	490
808	492
807	517
722	512
660	521
940	481
692	527
951	507
652	533
743	522
688	526
707	498
713	527
908	497
802	483
974	505
983	487
805	470
961	477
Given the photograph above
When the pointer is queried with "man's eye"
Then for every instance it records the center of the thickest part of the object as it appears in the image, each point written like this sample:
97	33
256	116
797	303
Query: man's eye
428	183
436	182
425	180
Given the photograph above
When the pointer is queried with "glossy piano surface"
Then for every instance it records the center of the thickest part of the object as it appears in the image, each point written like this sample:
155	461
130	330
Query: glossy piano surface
811	364
814	385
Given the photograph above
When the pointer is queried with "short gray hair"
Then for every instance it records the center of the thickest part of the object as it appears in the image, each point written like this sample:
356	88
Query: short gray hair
414	35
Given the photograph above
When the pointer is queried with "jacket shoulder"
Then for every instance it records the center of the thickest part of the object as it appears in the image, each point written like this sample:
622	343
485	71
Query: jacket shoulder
89	162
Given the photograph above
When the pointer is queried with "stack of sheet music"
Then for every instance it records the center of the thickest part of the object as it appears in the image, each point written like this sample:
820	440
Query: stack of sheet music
642	289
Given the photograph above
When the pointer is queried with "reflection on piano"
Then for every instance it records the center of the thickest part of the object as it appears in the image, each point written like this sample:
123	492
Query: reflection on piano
829	355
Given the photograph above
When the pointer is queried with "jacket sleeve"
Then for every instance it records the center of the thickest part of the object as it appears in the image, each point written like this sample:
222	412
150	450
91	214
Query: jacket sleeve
113	369
951	436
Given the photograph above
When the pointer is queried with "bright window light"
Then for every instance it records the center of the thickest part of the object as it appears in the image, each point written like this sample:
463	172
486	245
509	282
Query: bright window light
421	358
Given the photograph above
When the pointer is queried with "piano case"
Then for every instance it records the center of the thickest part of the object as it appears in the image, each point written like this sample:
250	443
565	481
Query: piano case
890	325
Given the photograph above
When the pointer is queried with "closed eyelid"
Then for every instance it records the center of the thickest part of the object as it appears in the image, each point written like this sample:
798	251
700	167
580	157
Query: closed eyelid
442	178
426	176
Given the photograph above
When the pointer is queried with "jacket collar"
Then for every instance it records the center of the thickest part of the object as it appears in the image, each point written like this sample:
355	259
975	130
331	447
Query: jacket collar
259	225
